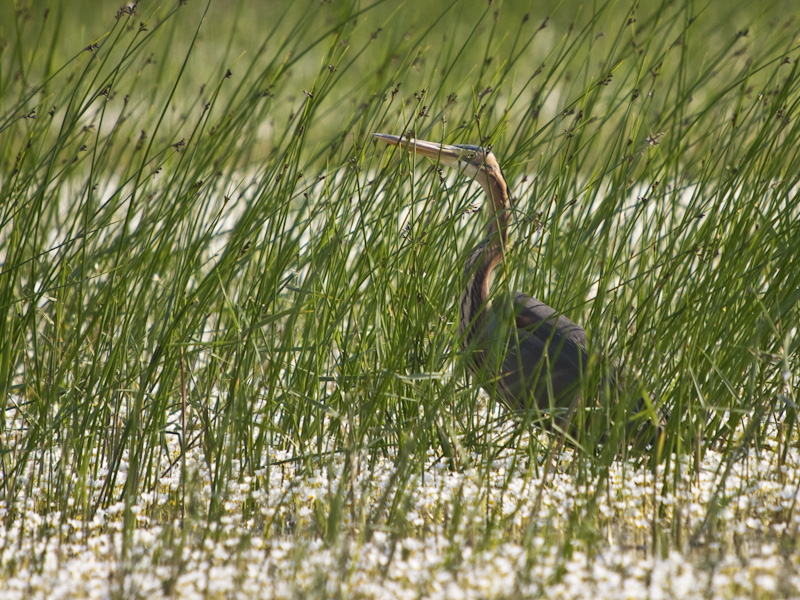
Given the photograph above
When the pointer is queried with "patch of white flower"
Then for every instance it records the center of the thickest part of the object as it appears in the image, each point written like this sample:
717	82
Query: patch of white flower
360	527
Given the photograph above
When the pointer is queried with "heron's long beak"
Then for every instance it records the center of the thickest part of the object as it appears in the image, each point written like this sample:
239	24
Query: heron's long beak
442	153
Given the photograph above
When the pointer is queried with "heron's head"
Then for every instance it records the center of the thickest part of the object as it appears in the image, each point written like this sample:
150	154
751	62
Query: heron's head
473	161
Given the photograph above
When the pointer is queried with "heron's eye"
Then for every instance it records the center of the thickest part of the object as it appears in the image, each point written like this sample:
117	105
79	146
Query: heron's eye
470	155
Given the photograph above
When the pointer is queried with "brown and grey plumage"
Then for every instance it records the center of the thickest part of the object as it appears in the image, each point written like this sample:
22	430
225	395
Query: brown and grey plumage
525	352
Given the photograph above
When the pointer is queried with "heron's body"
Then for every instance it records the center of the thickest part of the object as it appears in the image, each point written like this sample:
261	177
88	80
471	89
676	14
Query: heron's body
523	351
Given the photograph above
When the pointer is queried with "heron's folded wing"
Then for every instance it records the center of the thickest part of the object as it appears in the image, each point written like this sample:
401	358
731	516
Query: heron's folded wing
546	323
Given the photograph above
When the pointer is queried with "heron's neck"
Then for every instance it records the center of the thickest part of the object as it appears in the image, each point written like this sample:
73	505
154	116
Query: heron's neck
484	258
497	194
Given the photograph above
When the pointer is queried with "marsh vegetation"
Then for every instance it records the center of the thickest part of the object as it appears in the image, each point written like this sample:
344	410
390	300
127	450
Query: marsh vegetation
229	358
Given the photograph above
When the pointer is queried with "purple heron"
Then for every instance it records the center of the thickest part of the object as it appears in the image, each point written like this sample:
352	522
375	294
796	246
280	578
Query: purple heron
526	353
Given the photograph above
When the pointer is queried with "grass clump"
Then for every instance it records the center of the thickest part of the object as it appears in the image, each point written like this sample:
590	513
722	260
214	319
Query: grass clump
228	319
